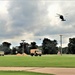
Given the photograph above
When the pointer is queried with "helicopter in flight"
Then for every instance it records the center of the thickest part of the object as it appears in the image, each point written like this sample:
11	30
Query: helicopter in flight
61	17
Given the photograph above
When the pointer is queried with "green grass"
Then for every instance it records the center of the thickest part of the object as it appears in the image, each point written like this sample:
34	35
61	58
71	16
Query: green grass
43	61
21	73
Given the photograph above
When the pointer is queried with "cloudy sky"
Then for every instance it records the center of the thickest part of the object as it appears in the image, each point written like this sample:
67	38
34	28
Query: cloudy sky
32	20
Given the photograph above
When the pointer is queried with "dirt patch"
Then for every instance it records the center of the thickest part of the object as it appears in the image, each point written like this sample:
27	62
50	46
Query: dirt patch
56	71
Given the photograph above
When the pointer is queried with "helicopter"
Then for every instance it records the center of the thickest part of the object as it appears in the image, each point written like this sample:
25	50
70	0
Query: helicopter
61	17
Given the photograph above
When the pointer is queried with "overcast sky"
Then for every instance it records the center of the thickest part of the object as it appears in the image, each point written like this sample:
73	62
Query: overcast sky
32	20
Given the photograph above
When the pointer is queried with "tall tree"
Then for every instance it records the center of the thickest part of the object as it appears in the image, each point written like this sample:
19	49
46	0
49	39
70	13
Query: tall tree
71	46
49	47
24	46
33	45
5	47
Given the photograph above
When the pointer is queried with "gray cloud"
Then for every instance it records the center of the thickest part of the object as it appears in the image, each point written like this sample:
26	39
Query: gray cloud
26	16
31	16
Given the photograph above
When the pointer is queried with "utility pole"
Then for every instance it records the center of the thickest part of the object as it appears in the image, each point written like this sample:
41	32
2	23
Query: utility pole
61	44
23	46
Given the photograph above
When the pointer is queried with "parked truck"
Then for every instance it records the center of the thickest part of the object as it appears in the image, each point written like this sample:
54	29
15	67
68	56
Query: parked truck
1	53
35	52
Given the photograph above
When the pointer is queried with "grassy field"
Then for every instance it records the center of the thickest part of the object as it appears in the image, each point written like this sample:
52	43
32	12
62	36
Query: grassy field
20	73
43	61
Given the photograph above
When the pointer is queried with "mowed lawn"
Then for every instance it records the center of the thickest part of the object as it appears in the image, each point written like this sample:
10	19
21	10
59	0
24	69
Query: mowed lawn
21	73
37	61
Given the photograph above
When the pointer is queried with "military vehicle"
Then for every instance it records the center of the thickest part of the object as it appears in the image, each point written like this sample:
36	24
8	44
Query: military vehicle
1	53
35	52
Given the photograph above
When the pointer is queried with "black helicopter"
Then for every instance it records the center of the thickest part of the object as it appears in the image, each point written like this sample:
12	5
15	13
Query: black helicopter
61	17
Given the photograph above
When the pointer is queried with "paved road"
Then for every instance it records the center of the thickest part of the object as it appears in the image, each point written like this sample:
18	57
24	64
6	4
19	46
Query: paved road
56	71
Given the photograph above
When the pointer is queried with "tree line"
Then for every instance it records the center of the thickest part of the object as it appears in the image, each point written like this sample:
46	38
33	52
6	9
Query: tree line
48	47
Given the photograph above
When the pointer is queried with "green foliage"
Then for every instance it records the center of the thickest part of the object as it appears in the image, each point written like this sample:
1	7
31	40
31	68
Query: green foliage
71	46
65	50
33	45
43	61
5	47
21	73
49	46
